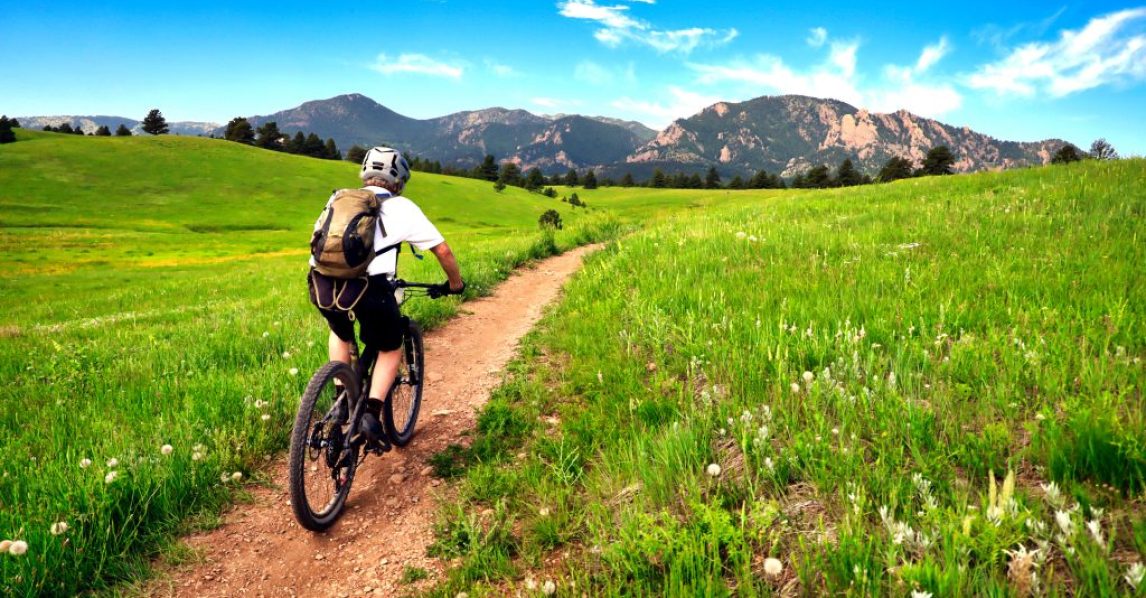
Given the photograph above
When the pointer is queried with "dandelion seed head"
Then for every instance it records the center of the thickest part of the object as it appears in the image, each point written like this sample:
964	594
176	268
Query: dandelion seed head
59	527
741	234
543	511
196	456
293	371
808	377
266	334
266	417
110	477
286	354
1135	574
18	548
85	463
920	594
236	476
530	584
549	588
713	469
113	462
166	449
773	567
795	388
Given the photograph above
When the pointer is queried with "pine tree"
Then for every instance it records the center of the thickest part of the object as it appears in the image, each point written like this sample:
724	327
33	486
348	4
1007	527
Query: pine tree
6	134
239	130
297	143
488	169
819	177
627	180
571	178
736	183
330	151
510	174
356	154
122	131
659	180
847	175
712	178
694	182
550	219
312	146
103	131
534	180
938	161
589	181
896	168
269	136
154	123
15	124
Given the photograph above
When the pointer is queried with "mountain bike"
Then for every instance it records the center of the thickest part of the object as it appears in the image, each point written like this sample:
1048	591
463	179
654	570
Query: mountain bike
337	426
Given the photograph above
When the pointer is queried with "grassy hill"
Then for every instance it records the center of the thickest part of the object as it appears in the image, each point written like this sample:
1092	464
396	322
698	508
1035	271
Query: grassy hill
930	386
153	291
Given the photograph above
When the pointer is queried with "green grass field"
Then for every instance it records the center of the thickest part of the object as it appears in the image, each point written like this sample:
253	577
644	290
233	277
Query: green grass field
153	294
877	387
854	367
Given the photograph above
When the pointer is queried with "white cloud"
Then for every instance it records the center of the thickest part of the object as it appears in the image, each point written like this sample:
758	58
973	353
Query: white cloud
501	70
417	64
618	26
1103	52
547	102
836	78
680	103
817	36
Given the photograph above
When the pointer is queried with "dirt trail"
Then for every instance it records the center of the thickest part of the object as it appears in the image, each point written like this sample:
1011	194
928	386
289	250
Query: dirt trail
261	551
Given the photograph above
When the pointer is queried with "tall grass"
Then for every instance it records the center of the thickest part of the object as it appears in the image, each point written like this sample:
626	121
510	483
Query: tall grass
931	386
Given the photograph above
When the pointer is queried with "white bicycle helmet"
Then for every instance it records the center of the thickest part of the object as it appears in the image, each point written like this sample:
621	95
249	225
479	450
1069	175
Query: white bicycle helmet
387	164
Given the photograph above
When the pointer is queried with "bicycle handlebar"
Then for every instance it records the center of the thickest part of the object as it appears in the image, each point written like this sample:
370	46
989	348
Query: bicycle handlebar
433	291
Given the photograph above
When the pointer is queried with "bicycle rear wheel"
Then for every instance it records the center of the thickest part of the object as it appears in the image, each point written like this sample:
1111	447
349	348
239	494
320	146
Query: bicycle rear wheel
400	409
322	459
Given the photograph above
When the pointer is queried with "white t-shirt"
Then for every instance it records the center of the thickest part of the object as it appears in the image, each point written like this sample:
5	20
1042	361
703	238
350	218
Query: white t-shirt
405	223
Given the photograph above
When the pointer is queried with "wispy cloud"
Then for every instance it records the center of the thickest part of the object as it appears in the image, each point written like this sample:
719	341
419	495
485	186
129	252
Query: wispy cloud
680	103
901	87
995	35
618	26
598	75
1107	50
555	103
417	64
501	70
817	36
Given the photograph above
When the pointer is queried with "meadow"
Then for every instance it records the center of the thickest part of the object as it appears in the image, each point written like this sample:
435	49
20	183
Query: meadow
929	387
926	388
155	332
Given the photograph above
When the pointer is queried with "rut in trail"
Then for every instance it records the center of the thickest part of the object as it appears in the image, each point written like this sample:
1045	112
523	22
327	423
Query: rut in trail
261	551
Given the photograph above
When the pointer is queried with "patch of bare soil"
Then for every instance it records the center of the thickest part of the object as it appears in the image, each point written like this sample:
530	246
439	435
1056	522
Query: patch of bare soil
261	551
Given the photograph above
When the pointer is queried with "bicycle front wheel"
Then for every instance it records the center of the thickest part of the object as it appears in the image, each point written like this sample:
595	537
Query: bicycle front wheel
322	458
400	409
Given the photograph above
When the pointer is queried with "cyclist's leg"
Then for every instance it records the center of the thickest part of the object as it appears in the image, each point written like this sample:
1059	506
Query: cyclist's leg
381	326
338	349
385	370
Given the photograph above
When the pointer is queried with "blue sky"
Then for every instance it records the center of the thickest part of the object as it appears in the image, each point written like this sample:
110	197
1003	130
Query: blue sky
1014	70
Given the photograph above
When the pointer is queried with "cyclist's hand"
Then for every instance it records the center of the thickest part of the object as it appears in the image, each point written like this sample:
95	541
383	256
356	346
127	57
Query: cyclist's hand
438	291
460	289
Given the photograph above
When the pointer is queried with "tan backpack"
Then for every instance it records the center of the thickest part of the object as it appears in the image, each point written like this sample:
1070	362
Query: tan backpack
343	239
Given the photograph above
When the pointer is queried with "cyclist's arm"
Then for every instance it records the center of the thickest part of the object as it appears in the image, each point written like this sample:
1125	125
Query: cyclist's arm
449	264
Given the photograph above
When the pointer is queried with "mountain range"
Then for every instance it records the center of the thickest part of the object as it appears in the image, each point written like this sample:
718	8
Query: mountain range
781	134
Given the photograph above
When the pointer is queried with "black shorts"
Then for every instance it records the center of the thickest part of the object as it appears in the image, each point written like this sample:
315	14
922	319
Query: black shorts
376	310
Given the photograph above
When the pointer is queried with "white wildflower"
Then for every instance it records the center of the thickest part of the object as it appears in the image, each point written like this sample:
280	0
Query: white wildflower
741	234
773	567
18	548
543	511
713	469
835	431
236	476
549	588
1062	518
112	462
1095	527
808	377
530	584
196	456
110	477
769	464
85	463
795	388
293	371
721	432
600	377
224	478
4	546
259	403
920	594
266	417
1135	574
59	527
752	238
891	379
166	449
286	354
266	334
1053	495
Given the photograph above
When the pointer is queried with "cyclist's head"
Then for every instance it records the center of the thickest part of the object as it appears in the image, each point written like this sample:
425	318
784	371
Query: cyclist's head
386	165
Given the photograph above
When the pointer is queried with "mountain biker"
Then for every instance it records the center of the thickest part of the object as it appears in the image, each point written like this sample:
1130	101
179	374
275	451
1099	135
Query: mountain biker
385	172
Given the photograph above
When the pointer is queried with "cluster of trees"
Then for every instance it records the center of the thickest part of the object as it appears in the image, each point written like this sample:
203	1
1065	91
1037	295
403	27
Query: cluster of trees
102	131
6	126
268	136
1099	150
